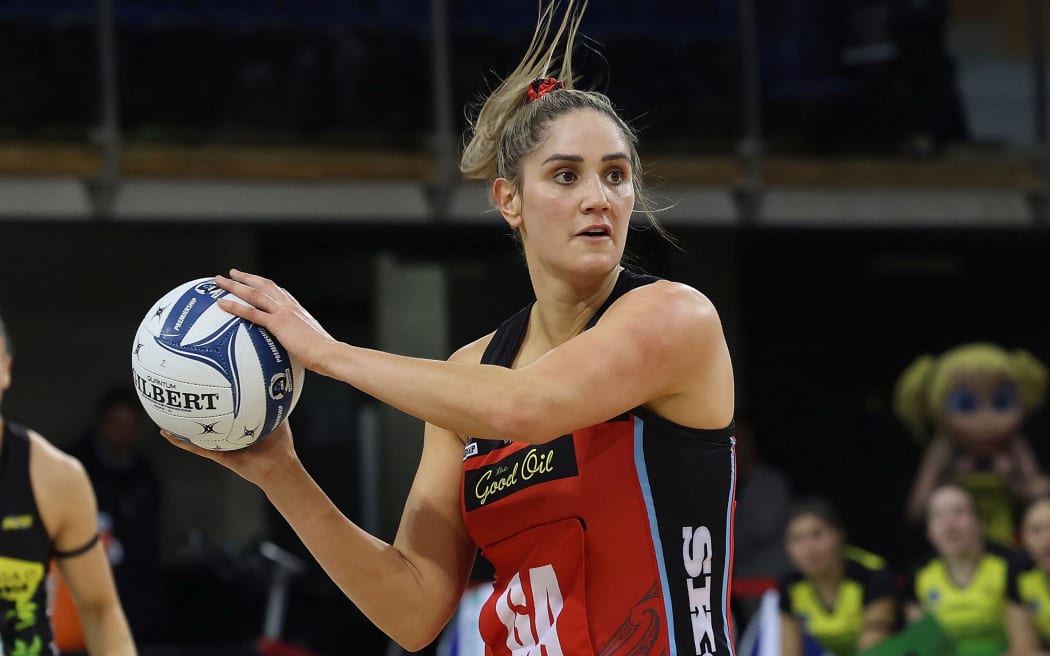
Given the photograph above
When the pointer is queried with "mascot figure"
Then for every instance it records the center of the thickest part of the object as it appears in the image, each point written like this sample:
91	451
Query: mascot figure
968	408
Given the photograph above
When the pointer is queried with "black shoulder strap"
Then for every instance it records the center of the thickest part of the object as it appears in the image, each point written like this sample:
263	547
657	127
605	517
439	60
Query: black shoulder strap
627	281
505	343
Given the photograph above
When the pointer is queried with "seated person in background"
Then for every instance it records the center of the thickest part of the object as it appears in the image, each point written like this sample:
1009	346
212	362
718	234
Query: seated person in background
964	585
1029	586
840	595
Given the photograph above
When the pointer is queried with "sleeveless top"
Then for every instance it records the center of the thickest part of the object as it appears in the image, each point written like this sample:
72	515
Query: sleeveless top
865	579
972	614
615	539
25	550
1029	587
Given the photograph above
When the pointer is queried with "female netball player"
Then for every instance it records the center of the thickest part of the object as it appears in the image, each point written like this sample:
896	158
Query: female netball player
585	446
47	509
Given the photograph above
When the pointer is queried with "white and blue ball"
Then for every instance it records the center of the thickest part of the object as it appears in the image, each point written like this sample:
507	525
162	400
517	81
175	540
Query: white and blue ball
207	376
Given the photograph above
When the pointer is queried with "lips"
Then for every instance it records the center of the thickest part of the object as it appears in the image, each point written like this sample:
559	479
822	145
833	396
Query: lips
596	230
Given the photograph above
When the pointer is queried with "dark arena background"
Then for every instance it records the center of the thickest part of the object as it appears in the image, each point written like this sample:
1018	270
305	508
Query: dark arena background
853	183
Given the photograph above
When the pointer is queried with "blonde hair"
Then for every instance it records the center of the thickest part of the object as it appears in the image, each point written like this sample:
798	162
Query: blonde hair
924	385
506	128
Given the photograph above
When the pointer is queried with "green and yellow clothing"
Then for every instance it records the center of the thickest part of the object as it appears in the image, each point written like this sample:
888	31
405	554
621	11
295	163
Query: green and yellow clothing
865	579
996	504
1030	587
972	614
25	549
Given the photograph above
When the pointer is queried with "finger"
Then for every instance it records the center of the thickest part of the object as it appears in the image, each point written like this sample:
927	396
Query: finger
251	279
253	295
246	312
186	445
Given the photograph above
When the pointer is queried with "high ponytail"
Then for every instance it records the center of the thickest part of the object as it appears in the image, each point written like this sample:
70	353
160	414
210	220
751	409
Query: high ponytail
481	153
509	126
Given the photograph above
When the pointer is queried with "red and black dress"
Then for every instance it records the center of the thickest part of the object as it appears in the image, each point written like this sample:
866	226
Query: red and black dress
613	540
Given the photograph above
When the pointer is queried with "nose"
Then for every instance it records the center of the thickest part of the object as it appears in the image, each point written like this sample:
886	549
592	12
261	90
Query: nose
595	197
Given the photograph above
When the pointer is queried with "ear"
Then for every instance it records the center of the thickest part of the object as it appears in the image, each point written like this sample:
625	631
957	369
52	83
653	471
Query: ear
508	200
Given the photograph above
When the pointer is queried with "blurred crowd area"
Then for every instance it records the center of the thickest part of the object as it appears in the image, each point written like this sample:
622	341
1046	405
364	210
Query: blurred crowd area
881	77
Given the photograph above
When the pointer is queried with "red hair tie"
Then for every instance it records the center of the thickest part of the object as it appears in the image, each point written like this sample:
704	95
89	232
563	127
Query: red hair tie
542	86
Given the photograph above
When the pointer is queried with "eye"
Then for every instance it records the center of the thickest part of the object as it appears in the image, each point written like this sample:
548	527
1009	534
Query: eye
616	176
1004	398
961	401
565	176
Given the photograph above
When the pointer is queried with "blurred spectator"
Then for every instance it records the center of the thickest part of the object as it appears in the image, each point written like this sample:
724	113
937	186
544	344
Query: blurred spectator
964	585
763	503
898	50
838	594
1029	586
129	502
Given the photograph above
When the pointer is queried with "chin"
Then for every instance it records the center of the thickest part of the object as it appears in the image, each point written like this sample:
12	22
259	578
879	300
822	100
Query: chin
596	263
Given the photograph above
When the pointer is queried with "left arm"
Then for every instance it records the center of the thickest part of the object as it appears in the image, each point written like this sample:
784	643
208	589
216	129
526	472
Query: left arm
73	521
879	617
662	342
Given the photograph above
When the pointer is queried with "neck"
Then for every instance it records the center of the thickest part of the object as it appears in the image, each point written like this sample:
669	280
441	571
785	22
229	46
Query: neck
830	577
564	307
961	565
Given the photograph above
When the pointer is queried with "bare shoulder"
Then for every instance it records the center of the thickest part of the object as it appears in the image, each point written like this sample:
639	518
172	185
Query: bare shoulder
64	496
51	460
670	305
675	330
54	473
471	353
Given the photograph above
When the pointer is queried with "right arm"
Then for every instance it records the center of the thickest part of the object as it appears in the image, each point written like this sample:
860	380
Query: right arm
409	589
790	635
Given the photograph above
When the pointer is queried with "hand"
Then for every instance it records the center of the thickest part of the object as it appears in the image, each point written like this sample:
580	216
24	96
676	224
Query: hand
256	463
273	308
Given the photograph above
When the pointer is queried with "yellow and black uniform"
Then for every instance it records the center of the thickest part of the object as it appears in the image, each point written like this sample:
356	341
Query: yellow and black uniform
865	579
972	614
25	549
1030	587
996	503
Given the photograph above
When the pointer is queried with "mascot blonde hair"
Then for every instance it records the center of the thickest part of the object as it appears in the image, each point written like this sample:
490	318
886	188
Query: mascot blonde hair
968	408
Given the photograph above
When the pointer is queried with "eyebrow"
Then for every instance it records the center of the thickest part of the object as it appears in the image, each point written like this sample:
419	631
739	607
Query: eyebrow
559	157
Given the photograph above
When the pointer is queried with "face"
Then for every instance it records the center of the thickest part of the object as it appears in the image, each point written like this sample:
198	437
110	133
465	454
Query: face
813	545
982	410
952	525
576	195
1035	533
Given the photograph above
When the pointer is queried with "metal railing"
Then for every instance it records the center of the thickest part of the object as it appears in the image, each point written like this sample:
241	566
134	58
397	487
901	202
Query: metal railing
748	193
